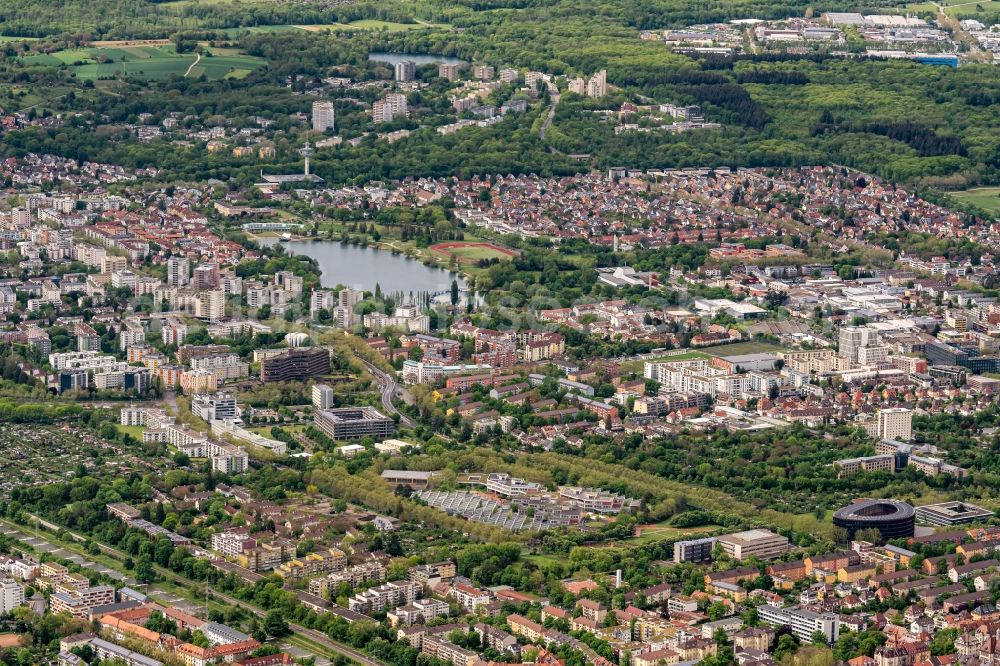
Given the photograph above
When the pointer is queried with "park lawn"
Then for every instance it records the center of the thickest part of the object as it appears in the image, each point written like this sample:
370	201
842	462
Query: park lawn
637	366
543	561
739	348
987	198
664	531
135	431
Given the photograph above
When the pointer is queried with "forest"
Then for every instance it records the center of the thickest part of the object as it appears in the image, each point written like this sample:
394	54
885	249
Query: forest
907	122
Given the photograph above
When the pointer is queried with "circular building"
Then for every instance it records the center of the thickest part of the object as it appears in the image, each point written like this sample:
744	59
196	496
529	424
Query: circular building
892	518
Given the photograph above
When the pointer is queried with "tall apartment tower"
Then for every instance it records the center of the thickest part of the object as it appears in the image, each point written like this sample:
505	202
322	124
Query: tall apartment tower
344	315
210	305
349	298
448	70
206	276
178	271
397	101
381	111
406	70
322	116
597	86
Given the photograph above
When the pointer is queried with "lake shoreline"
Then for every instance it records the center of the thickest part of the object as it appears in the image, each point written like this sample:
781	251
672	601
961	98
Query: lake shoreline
296	243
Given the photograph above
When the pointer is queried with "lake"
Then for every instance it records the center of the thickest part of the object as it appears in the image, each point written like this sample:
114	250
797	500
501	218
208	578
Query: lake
362	267
418	58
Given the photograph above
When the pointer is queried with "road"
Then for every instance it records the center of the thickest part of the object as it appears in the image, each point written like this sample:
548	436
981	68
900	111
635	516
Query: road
389	390
196	61
554	94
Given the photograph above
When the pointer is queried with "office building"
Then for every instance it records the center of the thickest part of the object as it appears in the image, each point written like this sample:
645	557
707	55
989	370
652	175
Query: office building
951	513
296	365
694	550
406	70
322	116
218	407
853	338
354	423
879	463
762	544
892	518
895	423
322	396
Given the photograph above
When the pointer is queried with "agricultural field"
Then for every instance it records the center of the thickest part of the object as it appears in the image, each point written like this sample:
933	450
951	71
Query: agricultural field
362	24
20	98
953	9
146	61
987	198
969	8
466	252
372	24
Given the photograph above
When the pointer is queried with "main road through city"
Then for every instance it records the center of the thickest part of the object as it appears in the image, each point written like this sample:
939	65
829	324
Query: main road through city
389	389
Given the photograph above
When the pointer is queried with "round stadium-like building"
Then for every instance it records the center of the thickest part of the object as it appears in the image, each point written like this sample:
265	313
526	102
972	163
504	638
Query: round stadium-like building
892	518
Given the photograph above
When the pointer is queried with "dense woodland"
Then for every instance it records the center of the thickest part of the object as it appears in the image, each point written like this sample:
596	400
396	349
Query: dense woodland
904	121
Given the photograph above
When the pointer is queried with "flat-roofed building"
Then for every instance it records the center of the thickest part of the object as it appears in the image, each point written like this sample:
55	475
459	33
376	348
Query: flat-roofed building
802	622
763	544
851	466
951	513
354	422
402	477
694	550
296	365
